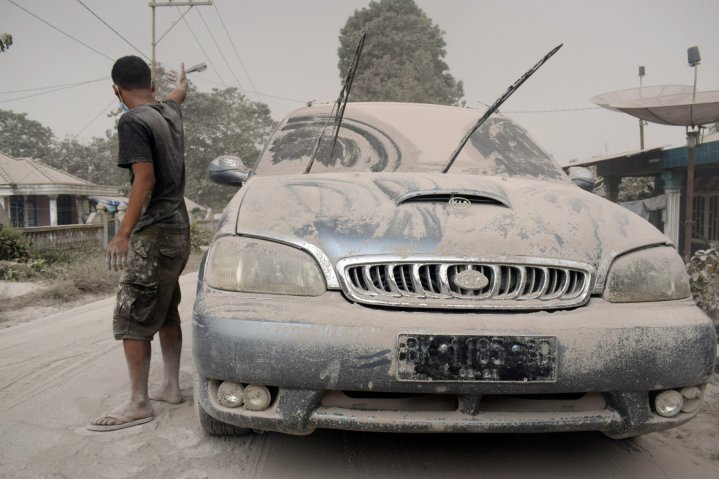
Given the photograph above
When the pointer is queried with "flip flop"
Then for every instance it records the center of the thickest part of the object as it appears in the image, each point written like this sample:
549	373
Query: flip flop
127	422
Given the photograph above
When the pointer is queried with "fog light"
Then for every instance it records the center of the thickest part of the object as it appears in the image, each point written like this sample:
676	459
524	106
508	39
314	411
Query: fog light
669	403
692	398
230	394
256	397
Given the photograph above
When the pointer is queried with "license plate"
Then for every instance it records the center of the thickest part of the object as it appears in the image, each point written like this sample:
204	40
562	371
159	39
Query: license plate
477	358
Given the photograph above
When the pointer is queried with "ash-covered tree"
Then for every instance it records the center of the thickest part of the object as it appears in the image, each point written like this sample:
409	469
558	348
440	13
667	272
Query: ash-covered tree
403	57
223	122
95	161
5	41
21	137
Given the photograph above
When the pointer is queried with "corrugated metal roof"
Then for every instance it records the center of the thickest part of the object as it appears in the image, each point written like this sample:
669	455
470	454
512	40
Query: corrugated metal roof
616	156
24	171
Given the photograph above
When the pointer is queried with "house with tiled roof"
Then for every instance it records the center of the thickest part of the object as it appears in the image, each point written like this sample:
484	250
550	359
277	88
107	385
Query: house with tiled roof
34	194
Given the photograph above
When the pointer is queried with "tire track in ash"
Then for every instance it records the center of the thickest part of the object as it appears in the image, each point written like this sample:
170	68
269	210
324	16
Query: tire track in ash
350	453
260	454
43	356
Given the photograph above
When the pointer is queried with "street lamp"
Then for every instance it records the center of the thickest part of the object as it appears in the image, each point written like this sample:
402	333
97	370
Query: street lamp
694	59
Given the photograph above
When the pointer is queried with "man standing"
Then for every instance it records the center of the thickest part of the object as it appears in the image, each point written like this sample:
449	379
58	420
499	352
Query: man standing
152	244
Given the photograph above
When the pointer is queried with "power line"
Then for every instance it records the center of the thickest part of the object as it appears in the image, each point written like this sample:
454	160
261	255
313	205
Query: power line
113	30
114	100
282	97
254	88
65	87
219	50
173	24
59	30
222	81
195	77
22	90
214	68
554	111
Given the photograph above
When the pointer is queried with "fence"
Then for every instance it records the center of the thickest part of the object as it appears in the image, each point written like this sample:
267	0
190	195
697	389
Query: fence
65	237
45	238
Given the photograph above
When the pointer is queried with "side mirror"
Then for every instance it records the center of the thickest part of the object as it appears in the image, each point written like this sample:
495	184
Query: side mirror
582	177
228	170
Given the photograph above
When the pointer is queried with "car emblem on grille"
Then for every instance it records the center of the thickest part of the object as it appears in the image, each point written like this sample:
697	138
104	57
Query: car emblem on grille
459	203
470	279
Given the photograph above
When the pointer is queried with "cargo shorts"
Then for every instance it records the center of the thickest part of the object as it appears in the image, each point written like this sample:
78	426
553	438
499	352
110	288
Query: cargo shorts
149	292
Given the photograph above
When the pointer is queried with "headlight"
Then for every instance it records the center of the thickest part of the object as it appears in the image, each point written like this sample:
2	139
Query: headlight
654	274
256	266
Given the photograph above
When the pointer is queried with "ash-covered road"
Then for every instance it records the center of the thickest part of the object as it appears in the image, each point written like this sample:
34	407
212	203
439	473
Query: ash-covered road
58	372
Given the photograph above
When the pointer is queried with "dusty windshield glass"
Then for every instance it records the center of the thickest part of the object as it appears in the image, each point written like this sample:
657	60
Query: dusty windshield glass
418	140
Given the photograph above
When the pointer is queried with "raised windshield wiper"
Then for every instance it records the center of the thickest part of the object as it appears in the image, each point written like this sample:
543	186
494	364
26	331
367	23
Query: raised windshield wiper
339	107
496	106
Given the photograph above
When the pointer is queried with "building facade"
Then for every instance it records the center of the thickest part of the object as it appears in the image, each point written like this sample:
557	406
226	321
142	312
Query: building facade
668	166
33	194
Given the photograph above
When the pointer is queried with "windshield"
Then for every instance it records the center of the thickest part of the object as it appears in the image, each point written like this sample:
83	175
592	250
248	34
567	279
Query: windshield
406	138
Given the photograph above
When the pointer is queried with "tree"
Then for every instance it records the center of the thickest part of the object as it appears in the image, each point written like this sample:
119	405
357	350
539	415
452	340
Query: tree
21	137
95	161
5	41
223	122
403	57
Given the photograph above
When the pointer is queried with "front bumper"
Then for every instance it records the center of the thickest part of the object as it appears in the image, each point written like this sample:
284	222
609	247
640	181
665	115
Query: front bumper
306	348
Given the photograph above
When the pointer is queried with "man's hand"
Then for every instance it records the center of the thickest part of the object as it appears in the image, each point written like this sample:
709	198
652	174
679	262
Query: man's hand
116	257
180	79
176	76
140	194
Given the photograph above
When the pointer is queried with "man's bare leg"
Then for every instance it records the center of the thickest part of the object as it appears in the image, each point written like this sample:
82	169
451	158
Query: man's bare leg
171	344
137	353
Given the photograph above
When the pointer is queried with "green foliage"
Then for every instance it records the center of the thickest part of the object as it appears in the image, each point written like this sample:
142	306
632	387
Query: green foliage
13	246
223	122
702	270
5	41
403	57
95	161
17	259
21	137
636	188
199	237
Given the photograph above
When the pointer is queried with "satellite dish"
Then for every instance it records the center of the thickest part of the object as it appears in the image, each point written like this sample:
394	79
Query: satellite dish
675	105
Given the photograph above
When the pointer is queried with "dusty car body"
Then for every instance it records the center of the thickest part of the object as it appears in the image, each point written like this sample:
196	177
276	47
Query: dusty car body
376	293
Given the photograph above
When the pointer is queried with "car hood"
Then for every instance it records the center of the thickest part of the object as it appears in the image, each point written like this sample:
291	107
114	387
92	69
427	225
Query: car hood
351	214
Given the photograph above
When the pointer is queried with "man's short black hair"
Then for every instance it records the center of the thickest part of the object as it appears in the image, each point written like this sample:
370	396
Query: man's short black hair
131	73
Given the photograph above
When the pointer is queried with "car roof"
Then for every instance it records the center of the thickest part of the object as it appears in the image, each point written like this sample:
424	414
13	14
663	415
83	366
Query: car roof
377	107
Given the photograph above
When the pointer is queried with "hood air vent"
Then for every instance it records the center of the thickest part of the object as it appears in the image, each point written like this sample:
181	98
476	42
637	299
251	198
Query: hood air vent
474	197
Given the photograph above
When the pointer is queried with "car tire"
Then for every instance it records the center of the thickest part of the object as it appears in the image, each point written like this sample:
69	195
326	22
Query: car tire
213	427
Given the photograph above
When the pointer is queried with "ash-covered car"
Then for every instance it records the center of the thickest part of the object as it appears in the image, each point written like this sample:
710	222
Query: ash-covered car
369	290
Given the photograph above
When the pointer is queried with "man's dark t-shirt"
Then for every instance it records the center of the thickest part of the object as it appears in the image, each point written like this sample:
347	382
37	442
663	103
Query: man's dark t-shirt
154	133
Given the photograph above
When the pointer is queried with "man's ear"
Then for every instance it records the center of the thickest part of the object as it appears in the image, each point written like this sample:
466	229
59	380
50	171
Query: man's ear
116	90
152	86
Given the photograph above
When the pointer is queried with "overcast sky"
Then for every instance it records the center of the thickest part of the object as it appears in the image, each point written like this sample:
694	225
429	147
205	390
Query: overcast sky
289	52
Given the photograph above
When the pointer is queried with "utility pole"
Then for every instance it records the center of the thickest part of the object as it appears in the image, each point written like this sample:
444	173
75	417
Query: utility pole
168	3
694	59
641	122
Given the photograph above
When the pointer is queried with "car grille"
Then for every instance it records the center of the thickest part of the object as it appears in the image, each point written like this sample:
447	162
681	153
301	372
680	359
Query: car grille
433	284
